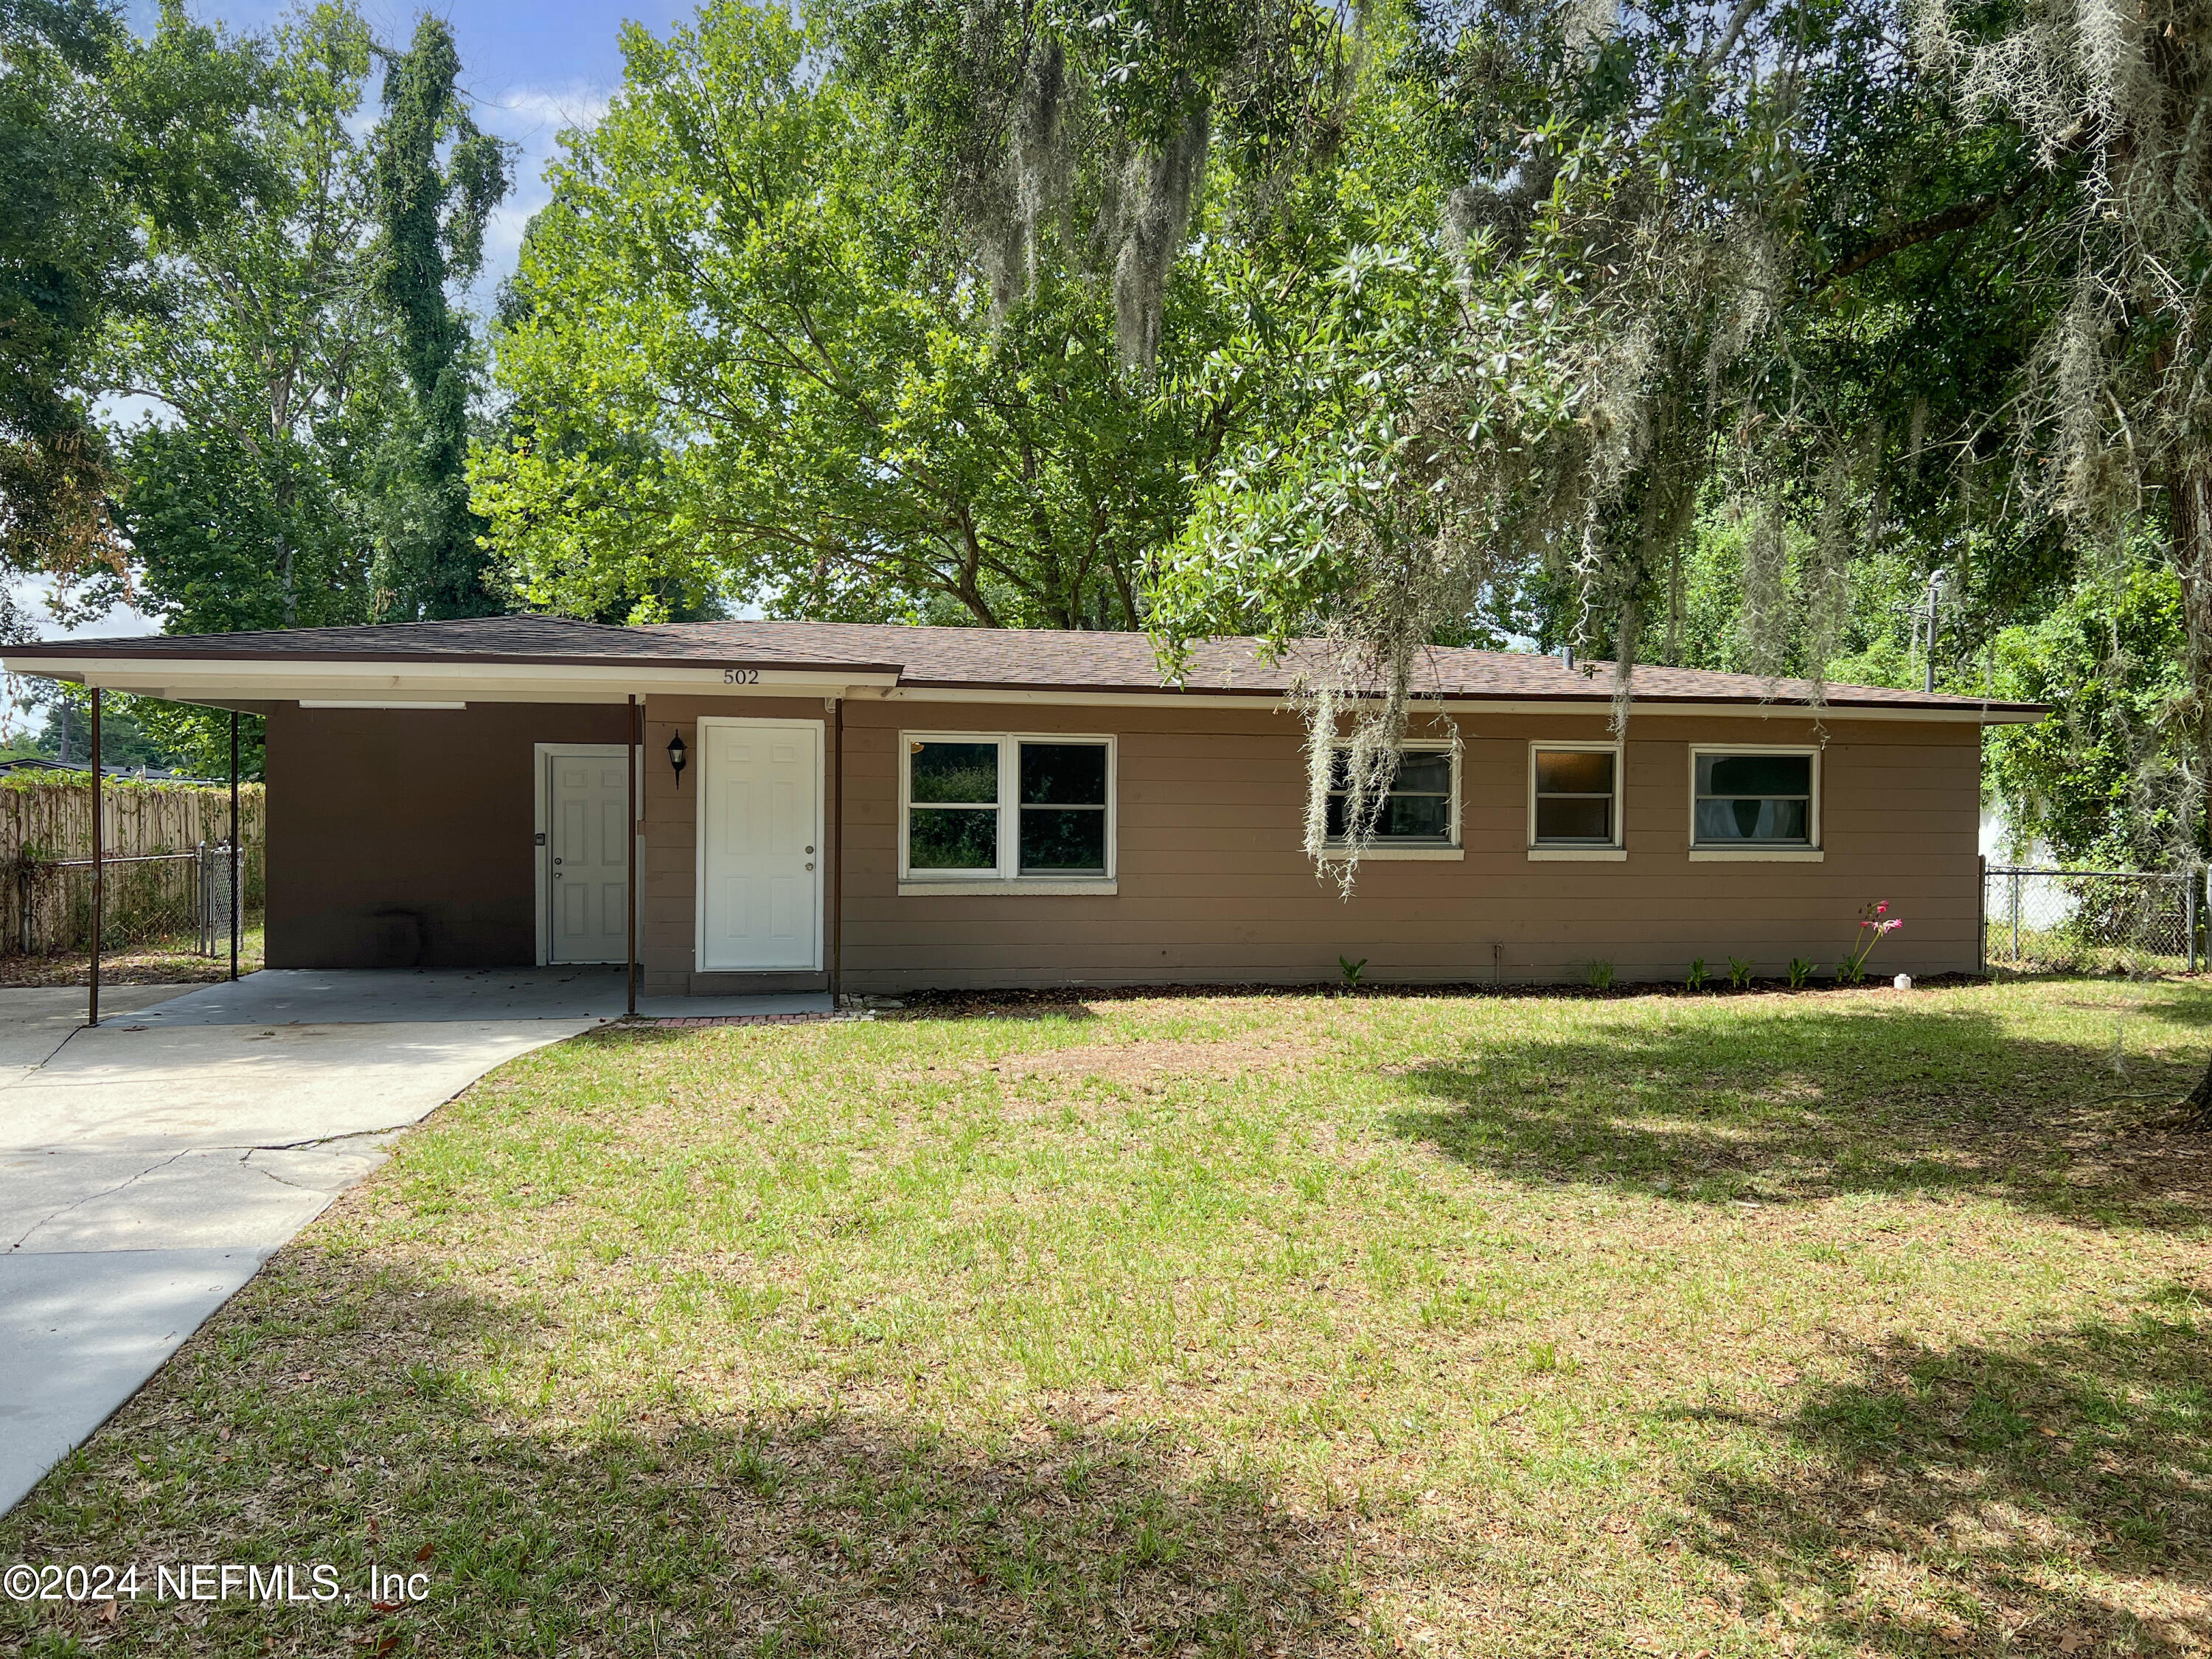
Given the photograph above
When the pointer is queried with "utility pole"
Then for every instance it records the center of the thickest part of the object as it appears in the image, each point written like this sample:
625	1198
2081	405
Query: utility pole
1936	580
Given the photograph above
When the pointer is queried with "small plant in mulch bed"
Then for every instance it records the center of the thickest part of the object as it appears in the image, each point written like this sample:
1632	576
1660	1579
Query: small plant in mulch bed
1739	973
1351	970
1600	975
1696	982
1876	924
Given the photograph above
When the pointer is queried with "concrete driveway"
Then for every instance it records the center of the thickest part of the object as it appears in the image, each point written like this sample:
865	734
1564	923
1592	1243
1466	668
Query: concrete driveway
147	1169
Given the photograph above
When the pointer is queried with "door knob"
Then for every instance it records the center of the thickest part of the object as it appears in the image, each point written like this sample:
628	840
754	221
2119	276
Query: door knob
556	861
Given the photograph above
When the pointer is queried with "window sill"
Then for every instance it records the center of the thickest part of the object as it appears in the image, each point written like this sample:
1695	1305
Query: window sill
1757	855
1377	853
1034	887
1578	854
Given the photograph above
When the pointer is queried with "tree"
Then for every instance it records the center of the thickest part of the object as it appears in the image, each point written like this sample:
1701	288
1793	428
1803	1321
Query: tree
437	179
750	346
271	368
96	135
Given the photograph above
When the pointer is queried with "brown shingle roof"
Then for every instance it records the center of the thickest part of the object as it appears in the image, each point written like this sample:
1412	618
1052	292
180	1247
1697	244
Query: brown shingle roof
1015	659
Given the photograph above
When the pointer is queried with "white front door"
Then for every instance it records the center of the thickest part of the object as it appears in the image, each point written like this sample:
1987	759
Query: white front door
760	840
586	858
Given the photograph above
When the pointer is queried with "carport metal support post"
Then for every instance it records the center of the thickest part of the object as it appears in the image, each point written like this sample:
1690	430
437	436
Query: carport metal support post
237	899
636	754
99	879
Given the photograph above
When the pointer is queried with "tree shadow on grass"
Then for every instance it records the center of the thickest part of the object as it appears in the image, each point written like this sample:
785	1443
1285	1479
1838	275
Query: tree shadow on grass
329	1414
1807	1104
1976	1495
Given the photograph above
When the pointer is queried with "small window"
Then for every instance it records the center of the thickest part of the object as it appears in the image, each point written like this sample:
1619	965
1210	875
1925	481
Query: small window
1576	797
953	822
1063	809
1755	798
989	806
1416	809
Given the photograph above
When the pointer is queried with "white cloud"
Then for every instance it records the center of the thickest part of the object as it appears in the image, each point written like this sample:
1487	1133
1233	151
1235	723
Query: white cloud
34	594
532	117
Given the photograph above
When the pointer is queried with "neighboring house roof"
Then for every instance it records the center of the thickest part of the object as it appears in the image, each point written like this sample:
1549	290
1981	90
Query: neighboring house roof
968	659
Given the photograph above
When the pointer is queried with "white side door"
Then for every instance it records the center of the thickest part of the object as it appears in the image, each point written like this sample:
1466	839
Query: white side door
760	837
586	860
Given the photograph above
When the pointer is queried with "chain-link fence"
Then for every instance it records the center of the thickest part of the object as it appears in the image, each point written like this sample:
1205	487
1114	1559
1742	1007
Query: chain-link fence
2090	921
177	903
164	874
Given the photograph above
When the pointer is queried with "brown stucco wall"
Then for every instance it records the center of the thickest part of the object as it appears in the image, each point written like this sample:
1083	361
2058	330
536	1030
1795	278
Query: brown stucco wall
402	838
1214	885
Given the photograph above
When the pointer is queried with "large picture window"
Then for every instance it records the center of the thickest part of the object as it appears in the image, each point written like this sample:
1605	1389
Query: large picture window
1002	807
1755	799
1419	808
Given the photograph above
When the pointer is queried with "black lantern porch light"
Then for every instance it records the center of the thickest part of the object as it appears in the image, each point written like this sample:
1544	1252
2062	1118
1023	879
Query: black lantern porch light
676	752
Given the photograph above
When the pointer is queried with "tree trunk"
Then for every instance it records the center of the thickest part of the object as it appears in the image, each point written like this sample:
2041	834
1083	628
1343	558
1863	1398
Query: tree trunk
2190	489
2196	1108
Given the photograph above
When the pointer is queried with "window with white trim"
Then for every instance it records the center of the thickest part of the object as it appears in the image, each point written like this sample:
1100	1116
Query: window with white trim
1002	806
1574	795
1419	806
1752	798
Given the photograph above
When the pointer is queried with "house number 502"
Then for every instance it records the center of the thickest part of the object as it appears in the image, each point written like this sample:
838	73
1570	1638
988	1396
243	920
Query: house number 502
741	676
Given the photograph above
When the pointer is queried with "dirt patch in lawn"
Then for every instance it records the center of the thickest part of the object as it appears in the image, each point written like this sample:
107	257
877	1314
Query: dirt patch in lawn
1141	1063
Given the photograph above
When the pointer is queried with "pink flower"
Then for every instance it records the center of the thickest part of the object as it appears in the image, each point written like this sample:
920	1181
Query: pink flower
1881	908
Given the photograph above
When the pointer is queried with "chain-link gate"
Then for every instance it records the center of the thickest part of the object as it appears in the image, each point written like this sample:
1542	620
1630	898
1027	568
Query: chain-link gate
218	897
2089	921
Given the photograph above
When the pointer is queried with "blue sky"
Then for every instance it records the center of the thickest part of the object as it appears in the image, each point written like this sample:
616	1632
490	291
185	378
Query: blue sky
531	70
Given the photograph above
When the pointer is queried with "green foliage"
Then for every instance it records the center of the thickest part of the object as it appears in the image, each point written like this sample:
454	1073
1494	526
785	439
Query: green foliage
1695	980
247	496
436	180
1600	975
1802	969
146	732
742	358
2096	783
98	136
1351	969
1739	972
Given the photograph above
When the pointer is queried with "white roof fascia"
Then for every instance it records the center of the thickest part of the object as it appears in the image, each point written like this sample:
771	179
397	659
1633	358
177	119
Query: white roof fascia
189	679
203	680
1579	707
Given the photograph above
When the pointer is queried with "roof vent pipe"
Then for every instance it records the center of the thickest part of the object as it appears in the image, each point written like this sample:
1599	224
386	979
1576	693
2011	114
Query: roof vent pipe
1568	653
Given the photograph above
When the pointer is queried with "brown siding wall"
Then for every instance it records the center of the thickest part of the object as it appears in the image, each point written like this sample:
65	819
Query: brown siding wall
403	839
1214	884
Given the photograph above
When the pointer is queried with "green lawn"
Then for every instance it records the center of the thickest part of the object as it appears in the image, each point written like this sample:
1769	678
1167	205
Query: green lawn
1839	1322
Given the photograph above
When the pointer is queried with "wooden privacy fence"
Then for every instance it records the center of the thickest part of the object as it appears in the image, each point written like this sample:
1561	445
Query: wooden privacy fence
158	841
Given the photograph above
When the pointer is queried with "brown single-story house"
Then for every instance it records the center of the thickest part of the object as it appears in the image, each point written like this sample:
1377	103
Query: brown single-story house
878	808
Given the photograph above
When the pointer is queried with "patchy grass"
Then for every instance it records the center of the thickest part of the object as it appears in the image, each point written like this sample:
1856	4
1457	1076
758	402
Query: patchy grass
1852	1323
159	962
